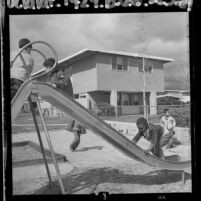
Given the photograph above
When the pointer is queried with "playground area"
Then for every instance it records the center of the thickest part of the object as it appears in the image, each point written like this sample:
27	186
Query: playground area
97	166
106	159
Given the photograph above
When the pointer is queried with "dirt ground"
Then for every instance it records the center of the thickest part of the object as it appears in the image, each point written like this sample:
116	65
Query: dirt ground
98	167
117	180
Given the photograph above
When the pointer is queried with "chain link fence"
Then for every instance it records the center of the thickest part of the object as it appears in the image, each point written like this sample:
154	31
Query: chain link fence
181	113
130	113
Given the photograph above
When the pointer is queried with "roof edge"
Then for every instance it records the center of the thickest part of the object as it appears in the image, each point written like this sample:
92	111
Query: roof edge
165	60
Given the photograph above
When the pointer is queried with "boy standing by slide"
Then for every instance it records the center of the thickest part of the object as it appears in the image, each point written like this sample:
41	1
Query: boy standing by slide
168	123
154	134
63	82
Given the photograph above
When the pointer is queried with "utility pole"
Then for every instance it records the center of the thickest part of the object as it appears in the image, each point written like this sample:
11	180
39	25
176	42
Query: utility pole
144	87
144	39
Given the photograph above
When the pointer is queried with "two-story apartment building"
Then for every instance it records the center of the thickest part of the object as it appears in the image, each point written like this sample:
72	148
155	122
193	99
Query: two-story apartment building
115	77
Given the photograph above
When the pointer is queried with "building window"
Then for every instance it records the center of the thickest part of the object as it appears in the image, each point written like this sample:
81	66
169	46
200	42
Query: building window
119	63
119	99
148	65
149	69
106	93
134	99
157	64
76	96
125	99
83	96
133	62
140	65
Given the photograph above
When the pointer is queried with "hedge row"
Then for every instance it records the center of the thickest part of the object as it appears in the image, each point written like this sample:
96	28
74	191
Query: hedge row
182	116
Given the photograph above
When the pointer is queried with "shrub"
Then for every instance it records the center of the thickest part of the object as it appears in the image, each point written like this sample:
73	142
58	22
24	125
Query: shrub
182	116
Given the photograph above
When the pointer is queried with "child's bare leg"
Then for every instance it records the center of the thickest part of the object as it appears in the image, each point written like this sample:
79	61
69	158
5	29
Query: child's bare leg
76	140
157	150
170	143
161	154
165	139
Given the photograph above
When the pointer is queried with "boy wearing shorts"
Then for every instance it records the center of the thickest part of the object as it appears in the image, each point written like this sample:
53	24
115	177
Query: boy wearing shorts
63	82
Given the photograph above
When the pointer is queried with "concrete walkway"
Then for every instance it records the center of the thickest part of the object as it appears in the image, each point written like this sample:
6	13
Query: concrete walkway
97	166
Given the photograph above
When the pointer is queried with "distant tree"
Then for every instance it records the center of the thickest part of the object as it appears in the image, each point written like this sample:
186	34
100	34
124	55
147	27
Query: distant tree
184	76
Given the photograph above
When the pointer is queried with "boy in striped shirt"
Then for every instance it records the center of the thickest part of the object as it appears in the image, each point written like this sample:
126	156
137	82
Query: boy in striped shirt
19	73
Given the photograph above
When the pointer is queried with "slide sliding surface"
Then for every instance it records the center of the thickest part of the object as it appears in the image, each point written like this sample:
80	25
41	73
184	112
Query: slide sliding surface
20	98
66	104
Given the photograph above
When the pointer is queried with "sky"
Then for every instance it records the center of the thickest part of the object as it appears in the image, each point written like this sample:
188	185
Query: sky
161	34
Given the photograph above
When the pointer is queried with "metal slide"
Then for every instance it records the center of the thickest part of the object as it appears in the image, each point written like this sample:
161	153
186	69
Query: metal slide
66	104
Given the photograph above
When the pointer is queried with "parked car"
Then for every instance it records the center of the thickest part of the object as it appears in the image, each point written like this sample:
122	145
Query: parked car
97	112
105	108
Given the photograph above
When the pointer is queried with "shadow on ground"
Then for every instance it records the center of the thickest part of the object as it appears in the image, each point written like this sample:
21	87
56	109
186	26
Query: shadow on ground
88	148
79	181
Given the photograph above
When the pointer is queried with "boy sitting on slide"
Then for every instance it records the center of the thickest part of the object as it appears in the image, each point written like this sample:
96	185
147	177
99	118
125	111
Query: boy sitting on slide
63	82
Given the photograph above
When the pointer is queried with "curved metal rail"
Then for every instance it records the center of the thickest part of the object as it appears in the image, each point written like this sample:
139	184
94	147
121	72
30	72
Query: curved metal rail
53	50
43	73
35	50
